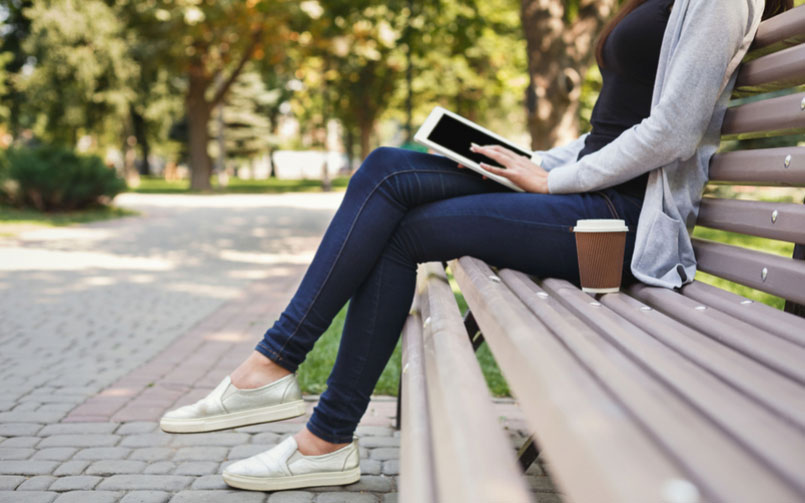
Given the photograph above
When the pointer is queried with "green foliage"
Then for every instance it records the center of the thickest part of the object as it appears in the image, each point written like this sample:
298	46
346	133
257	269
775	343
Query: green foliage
15	216
80	81
316	368
154	185
53	178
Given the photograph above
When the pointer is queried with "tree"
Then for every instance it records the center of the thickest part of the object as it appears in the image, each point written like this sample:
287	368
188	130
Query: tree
209	42
560	39
77	73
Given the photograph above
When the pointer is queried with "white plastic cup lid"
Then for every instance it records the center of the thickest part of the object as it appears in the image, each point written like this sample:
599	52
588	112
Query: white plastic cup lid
601	225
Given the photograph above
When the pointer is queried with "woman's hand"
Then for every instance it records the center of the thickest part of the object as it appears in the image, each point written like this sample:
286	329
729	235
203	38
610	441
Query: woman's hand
519	169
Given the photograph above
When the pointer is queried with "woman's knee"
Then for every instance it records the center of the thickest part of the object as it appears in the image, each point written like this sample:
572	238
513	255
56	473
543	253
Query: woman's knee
378	165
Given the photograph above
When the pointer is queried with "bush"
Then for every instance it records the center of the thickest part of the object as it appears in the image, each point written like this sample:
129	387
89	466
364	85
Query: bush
51	178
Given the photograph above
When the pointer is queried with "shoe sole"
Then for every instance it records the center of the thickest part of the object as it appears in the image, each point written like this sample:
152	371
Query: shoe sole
234	419
293	481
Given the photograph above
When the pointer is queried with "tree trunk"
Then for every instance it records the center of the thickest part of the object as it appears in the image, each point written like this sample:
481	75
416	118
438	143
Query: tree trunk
559	54
198	118
366	132
140	132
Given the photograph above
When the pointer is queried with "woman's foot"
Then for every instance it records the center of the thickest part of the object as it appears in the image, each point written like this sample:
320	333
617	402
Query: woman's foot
311	445
265	393
287	467
257	371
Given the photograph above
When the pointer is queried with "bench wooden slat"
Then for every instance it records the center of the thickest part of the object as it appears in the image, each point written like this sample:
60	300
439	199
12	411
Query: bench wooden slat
416	470
773	72
669	400
772	351
773	390
784	277
784	30
772	320
474	459
770	117
782	221
769	167
589	440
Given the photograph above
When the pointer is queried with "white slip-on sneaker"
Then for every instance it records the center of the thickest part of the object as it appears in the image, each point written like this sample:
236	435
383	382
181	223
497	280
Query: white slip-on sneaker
228	407
284	467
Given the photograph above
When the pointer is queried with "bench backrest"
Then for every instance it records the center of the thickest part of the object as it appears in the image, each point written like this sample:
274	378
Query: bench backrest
775	64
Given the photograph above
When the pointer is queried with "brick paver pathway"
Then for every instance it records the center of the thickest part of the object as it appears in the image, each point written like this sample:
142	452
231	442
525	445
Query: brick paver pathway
105	326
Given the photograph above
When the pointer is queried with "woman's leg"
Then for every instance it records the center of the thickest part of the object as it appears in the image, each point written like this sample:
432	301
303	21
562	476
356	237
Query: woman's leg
527	232
389	183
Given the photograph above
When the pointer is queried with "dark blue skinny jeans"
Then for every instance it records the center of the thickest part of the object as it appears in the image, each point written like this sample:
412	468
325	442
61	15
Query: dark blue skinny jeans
402	208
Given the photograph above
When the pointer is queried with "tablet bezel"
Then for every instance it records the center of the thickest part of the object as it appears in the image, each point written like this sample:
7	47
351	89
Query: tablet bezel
433	118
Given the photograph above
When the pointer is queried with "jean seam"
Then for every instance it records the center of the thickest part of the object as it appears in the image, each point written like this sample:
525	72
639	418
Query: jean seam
346	239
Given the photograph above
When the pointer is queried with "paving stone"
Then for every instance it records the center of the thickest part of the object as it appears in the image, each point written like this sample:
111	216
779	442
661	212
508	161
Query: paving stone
218	497
371	483
212	439
346	498
7	453
391	497
77	429
201	454
115	466
210	482
160	467
22	442
75	483
30	417
391	467
384	453
370	467
56	453
88	497
37	483
371	442
79	441
267	438
158	439
197	468
152	453
146	497
72	467
27	497
145	482
136	427
375	431
10	482
291	497
95	453
19	429
27	467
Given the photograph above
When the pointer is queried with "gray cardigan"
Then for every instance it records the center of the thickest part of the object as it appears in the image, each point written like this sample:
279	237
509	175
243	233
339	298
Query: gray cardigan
703	44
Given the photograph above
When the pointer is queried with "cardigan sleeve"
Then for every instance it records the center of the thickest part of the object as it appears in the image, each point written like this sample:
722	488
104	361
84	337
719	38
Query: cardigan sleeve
559	156
711	34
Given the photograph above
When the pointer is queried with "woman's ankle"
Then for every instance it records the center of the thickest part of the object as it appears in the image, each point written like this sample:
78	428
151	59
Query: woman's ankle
256	371
309	444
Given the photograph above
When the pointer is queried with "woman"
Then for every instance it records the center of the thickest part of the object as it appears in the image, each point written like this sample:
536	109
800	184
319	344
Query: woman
668	70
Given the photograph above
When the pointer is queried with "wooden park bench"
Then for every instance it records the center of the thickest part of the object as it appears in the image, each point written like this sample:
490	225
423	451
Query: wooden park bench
648	395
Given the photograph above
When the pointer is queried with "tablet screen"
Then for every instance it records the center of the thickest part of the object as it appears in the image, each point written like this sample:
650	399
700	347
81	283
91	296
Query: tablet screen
457	136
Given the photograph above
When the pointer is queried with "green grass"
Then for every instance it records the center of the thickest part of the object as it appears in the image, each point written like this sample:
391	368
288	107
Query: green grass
313	372
59	219
156	185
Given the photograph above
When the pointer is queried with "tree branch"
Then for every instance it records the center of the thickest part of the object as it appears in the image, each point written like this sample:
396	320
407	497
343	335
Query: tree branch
245	57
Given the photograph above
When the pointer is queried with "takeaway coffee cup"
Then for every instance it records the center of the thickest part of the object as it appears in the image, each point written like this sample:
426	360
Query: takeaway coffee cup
600	246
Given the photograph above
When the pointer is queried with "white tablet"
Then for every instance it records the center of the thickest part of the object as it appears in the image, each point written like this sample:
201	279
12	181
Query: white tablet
451	135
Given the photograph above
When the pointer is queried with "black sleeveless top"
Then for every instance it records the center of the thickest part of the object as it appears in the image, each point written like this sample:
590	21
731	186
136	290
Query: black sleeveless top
631	55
